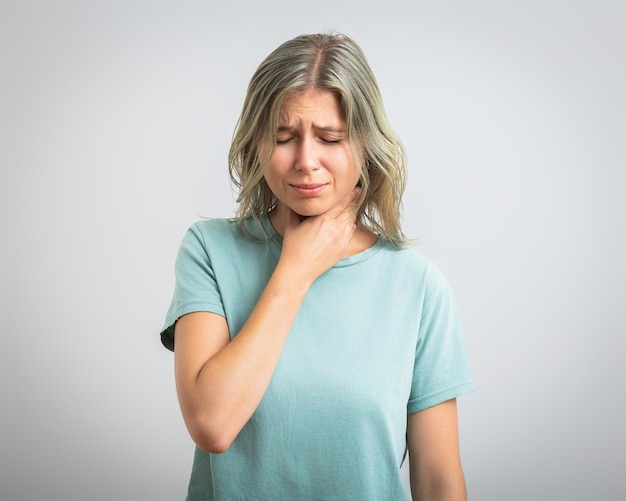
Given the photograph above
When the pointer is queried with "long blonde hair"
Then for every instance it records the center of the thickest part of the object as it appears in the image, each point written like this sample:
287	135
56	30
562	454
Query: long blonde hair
332	62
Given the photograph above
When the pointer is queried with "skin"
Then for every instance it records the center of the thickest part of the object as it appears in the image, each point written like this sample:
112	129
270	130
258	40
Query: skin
434	457
220	382
313	170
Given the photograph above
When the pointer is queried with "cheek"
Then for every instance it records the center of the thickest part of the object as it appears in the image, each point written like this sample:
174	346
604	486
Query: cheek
352	171
356	173
270	180
274	177
279	163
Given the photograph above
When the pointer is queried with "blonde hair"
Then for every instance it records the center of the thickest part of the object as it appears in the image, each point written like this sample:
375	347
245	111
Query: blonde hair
332	62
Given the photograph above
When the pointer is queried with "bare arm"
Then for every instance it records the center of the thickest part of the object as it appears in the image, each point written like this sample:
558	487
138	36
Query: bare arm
435	463
221	382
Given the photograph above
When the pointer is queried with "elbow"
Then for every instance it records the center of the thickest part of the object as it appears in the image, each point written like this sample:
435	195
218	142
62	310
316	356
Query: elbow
213	439
214	445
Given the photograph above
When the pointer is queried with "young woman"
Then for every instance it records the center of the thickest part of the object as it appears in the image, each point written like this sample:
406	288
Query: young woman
313	347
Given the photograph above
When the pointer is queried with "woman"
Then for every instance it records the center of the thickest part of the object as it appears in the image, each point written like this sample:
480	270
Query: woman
313	347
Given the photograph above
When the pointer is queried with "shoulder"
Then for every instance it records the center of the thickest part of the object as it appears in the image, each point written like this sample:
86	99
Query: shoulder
411	260
214	233
205	238
206	229
223	240
203	234
417	273
221	230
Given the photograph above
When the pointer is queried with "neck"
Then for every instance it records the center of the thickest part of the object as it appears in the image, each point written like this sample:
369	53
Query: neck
362	239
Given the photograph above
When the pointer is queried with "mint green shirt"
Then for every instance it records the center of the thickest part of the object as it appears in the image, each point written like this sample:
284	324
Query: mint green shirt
377	337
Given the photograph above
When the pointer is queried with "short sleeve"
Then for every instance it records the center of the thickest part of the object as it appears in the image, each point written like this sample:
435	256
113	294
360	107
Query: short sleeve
441	369
196	288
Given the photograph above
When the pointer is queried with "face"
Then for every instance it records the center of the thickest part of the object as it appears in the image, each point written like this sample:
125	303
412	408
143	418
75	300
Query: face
313	168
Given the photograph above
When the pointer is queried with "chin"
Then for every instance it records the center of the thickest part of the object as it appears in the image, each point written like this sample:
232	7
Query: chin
307	212
307	209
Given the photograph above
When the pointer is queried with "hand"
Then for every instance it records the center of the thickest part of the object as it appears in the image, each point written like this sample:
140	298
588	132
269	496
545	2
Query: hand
313	245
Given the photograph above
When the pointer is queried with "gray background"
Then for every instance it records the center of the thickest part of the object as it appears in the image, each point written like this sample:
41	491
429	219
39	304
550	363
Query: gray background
115	124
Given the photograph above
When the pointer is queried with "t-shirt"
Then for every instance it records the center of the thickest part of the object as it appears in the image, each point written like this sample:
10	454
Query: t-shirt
377	337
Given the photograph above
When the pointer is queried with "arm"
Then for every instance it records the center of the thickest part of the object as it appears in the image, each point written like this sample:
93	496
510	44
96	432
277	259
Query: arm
221	382
434	458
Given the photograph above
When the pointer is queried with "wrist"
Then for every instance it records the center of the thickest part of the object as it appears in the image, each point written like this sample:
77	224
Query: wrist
291	279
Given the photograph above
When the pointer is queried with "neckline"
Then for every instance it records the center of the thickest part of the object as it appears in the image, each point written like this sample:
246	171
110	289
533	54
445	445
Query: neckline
277	240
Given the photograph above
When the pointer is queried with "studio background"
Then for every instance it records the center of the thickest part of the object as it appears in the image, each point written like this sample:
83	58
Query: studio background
115	122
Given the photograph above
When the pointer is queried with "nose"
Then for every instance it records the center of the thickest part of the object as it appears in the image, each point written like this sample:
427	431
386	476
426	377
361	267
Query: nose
306	158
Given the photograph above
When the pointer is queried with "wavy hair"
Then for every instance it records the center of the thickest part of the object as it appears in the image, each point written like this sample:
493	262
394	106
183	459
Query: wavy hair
332	62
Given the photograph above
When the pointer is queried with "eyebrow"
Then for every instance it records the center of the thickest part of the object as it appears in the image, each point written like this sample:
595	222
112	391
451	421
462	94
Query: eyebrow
289	128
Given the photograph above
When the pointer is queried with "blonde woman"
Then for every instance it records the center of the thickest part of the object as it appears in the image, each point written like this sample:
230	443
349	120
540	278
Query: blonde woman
313	346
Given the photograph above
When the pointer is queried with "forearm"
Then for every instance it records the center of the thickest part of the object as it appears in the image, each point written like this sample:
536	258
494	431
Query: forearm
229	385
221	382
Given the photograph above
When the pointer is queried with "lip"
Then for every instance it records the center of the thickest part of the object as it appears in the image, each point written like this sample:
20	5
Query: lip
308	190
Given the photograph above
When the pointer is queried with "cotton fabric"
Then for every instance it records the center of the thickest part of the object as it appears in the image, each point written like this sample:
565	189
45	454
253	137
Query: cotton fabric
377	337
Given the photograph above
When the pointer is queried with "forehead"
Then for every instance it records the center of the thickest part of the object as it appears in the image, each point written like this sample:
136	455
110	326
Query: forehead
316	106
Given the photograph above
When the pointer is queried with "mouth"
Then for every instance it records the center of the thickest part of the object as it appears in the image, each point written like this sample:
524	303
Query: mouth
308	190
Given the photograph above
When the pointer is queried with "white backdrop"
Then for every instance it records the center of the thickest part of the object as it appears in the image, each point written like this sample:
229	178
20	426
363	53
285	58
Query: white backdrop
115	123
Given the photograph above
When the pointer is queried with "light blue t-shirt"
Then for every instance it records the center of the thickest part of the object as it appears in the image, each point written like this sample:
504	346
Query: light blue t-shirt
377	337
